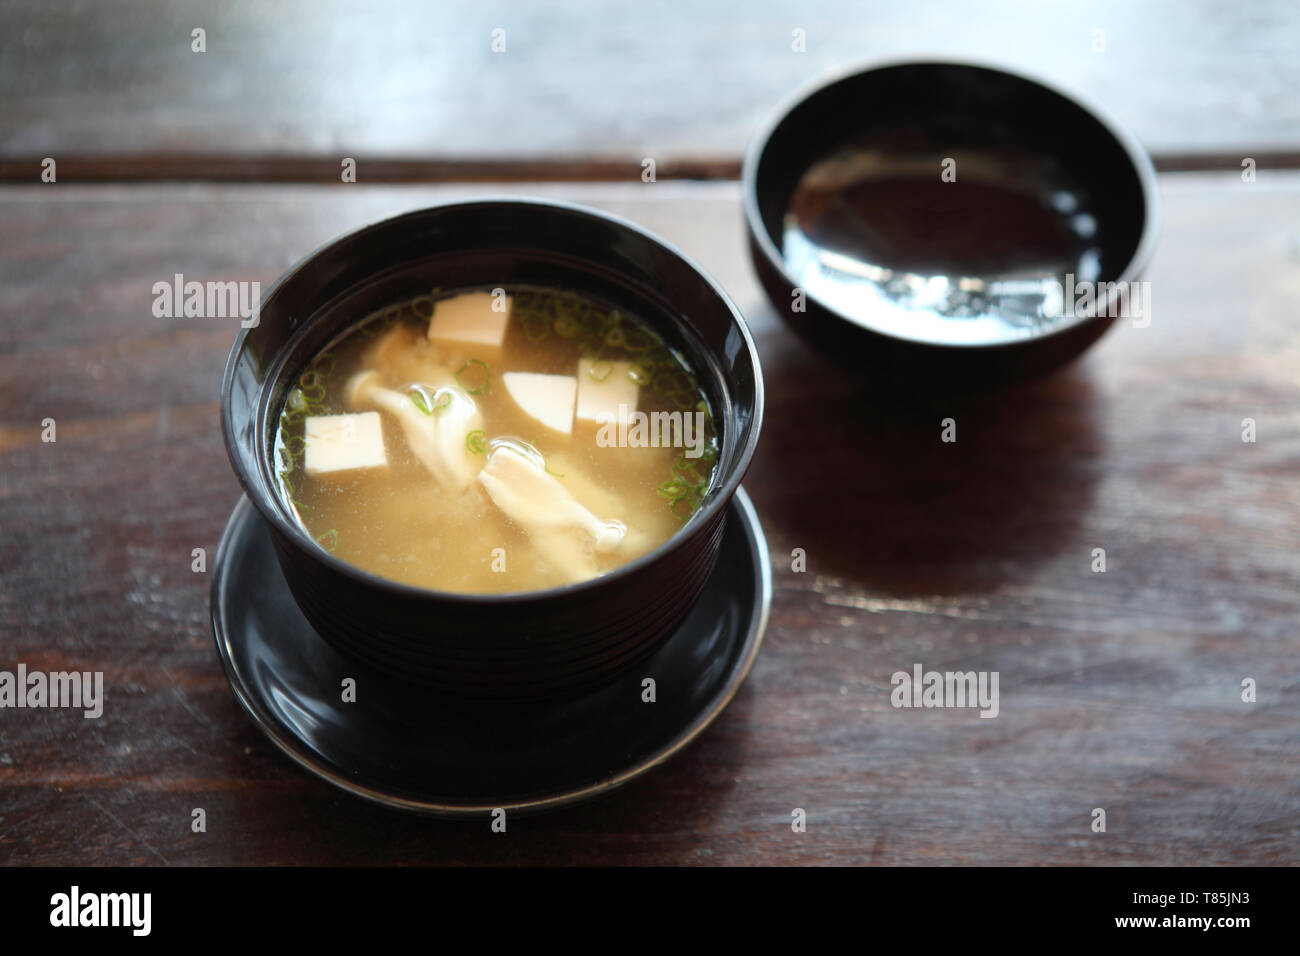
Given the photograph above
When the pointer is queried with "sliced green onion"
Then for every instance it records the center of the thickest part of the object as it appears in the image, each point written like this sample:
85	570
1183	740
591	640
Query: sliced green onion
636	339
380	320
420	399
329	540
547	469
536	327
692	505
423	299
487	376
673	489
688	471
600	370
476	441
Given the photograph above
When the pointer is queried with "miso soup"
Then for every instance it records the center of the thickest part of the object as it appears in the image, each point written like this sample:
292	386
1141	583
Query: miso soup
495	440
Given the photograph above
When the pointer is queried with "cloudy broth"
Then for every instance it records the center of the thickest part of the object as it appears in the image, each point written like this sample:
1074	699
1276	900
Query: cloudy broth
495	440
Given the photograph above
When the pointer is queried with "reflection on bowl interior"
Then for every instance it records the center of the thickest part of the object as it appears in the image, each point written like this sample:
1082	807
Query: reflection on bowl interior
964	245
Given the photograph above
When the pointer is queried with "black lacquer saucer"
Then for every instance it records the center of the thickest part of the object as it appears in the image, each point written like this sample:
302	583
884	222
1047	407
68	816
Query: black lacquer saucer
400	746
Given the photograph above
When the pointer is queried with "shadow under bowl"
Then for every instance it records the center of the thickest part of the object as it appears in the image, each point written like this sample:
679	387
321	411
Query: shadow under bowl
498	647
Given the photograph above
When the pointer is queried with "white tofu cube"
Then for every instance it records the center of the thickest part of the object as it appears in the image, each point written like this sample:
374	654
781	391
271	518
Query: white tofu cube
547	398
471	318
600	395
344	442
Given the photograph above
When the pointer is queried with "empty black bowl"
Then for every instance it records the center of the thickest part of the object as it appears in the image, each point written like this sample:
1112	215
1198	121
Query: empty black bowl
518	646
948	222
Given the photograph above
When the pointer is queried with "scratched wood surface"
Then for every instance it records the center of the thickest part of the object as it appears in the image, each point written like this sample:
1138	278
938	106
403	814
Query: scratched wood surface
583	79
1119	690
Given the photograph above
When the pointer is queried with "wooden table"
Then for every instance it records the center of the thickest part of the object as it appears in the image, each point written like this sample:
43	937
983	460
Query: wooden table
1120	690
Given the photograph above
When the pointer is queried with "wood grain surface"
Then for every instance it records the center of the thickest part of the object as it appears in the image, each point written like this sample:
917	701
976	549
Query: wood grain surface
395	80
1119	690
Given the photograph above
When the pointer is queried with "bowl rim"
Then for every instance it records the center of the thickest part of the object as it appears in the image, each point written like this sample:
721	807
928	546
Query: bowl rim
257	494
1137	156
